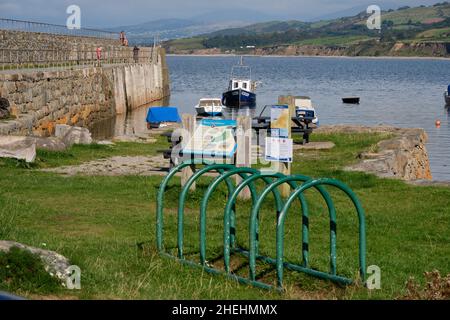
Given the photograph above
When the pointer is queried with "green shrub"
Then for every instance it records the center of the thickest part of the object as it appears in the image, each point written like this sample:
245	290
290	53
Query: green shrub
20	270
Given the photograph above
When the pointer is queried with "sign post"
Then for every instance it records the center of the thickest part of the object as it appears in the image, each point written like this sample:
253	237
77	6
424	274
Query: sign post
244	150
188	121
281	128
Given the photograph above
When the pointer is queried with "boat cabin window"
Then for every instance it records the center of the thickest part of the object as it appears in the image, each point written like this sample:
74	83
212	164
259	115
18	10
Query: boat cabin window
237	84
207	103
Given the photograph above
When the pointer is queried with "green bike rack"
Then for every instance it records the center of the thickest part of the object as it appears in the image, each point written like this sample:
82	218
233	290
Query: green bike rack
362	232
273	181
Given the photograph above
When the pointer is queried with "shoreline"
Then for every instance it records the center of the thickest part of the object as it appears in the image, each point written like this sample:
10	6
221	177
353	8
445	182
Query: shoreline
309	56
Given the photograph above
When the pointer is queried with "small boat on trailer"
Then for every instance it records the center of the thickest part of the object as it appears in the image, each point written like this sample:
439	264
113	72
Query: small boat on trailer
351	100
241	89
211	107
447	96
305	111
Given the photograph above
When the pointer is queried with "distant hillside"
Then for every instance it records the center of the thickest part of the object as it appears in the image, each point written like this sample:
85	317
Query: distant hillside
157	25
144	33
405	25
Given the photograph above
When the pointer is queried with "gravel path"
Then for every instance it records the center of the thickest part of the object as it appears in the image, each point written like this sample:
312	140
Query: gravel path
117	166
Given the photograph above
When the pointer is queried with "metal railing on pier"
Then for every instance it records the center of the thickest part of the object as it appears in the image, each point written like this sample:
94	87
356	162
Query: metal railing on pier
30	26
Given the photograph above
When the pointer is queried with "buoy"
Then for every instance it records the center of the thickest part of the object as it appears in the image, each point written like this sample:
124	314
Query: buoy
438	123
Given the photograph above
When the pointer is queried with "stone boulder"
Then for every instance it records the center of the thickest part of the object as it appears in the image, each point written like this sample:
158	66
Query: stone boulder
4	108
50	143
403	155
16	147
72	135
55	264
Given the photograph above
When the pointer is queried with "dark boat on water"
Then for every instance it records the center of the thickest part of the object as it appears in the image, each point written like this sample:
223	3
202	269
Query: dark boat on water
241	89
351	100
447	96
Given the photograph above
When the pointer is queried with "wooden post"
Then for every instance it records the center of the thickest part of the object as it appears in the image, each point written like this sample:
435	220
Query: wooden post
285	167
244	149
188	122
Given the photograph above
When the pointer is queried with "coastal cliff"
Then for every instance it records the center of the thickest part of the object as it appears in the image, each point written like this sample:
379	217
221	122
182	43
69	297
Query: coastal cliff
363	49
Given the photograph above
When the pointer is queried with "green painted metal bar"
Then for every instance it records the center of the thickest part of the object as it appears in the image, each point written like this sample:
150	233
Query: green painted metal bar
184	193
160	198
255	212
305	223
242	172
257	284
295	267
282	218
230	205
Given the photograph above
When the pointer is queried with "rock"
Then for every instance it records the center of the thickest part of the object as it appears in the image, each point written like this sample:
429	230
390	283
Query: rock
50	143
55	264
72	135
4	108
404	156
105	143
18	148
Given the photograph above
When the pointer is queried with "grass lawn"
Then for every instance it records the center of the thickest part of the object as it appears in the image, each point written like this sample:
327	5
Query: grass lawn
106	226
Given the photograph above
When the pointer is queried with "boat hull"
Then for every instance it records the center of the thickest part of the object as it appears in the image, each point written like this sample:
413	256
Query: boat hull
351	100
238	99
209	111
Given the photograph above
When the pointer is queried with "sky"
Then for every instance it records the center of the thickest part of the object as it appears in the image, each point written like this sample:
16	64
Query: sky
110	13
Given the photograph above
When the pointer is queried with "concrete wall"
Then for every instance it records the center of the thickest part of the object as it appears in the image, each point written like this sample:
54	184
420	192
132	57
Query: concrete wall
139	84
41	99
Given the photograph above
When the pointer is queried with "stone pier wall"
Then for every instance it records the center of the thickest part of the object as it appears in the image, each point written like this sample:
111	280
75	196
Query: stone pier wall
40	99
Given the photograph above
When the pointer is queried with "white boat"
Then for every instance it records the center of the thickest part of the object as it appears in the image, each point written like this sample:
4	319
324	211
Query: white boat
209	107
305	110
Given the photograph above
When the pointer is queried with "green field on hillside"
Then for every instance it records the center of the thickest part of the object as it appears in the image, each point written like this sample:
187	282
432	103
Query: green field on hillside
334	41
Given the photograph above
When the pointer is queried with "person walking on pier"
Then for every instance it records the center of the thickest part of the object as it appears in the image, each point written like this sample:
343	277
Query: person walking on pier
99	55
123	39
136	54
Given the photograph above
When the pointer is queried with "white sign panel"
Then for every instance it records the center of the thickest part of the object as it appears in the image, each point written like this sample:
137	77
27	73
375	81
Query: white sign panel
279	149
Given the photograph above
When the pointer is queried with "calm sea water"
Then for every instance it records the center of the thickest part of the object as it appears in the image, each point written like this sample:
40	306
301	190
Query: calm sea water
399	92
